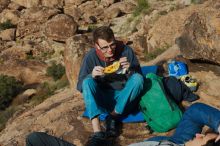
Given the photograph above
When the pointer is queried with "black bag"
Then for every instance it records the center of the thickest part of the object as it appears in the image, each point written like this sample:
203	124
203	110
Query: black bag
178	90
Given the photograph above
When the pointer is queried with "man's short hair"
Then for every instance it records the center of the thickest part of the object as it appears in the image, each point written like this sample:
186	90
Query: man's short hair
103	32
212	142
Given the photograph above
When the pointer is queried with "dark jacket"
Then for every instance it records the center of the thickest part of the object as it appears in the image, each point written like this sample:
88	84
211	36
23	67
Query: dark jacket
116	82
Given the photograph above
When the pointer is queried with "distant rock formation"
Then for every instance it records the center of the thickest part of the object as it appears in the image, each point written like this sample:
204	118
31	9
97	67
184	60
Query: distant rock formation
76	47
200	38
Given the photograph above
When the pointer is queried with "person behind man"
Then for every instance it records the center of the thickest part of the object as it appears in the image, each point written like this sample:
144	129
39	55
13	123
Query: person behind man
188	130
115	93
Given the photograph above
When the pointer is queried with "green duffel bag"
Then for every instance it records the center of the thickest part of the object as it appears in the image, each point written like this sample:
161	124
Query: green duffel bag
160	111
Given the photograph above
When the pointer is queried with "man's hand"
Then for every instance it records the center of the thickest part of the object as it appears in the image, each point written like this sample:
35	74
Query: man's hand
97	71
218	138
124	63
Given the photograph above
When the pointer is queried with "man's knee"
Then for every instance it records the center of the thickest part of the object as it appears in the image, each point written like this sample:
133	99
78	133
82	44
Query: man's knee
137	78
196	107
87	82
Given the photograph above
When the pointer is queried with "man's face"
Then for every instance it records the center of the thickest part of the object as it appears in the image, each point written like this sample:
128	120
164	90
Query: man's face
107	48
201	139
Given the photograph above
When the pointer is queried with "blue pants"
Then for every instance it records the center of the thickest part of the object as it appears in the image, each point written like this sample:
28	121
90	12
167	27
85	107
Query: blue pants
193	120
99	100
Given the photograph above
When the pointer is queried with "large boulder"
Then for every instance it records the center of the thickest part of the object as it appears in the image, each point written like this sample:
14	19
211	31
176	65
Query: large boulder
73	11
112	12
39	14
57	116
125	6
15	6
27	28
95	11
88	6
3	4
14	62
8	34
123	27
27	3
60	27
11	15
117	10
139	46
106	3
167	28
74	2
76	47
32	20
29	72
200	39
2	46
53	3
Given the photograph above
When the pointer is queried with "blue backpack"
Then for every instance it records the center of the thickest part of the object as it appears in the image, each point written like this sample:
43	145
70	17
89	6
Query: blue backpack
177	68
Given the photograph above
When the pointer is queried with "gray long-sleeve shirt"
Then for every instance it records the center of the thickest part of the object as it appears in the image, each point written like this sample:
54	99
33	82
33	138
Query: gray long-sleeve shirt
115	82
156	143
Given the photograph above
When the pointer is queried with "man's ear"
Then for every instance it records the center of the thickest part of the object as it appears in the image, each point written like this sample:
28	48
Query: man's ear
217	139
96	45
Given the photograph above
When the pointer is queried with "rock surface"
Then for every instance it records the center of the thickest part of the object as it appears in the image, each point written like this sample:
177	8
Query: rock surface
27	4
76	48
8	34
64	106
60	27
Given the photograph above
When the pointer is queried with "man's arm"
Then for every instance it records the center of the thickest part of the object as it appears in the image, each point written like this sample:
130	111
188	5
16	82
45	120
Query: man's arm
218	138
85	70
203	114
132	59
195	117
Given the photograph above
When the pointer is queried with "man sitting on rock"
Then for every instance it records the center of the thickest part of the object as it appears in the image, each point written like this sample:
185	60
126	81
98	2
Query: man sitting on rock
115	89
188	130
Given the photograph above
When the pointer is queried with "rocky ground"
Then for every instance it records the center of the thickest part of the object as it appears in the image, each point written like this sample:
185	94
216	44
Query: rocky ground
43	31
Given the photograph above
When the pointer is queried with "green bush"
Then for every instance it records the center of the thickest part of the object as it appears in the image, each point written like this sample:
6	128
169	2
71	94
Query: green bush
9	88
56	71
6	25
5	115
98	1
44	91
59	84
197	1
142	6
91	27
48	89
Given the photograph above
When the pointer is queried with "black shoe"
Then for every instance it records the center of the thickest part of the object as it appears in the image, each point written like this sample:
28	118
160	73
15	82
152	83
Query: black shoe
112	127
99	139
